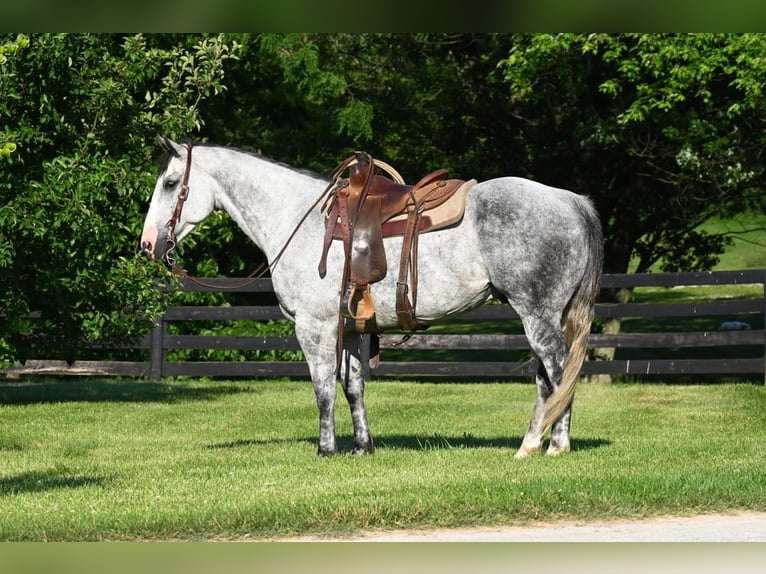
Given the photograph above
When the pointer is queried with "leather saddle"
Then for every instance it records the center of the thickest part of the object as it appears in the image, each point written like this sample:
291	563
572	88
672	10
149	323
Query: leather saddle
365	208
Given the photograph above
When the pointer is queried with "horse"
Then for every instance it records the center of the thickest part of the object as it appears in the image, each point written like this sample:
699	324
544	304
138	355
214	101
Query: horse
537	247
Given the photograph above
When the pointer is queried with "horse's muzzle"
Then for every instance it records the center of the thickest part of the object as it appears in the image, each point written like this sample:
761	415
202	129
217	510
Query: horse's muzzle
150	241
147	249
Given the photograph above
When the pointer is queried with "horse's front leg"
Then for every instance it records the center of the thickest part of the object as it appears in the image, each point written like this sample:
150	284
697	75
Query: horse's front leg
352	379
318	345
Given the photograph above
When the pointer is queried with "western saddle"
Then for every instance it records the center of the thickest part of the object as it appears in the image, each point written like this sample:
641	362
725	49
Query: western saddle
366	207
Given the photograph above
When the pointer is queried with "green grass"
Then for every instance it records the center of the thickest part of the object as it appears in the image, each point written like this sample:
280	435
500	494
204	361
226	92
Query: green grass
748	232
115	460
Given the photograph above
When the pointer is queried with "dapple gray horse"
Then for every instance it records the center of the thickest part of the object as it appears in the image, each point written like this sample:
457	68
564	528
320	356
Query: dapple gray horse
536	246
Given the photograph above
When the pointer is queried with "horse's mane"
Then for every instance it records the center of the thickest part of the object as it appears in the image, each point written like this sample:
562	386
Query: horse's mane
170	153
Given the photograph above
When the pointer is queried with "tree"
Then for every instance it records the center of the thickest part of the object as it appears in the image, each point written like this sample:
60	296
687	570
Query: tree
419	100
663	131
79	113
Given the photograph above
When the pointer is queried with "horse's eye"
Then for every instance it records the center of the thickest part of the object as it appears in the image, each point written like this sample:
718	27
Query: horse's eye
171	183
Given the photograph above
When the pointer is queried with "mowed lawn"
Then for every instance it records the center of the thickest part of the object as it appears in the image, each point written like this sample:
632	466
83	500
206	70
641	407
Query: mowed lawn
95	459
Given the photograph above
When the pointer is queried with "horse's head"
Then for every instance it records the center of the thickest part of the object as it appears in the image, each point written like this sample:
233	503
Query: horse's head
182	198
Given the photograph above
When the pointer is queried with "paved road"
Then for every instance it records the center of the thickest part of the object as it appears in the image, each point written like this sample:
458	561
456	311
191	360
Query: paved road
741	527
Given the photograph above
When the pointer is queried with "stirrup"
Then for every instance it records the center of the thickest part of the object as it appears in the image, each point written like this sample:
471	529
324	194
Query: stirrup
357	305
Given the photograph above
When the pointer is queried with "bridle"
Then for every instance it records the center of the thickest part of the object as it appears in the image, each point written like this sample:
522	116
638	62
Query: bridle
182	195
172	242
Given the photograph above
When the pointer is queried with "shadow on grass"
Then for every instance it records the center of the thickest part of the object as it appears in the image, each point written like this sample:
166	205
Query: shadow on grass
417	442
102	390
42	481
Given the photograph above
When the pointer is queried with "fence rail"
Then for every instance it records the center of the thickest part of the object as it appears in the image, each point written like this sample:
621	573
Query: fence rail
657	338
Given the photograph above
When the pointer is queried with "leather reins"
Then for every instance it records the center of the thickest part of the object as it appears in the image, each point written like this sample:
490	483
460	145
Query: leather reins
261	270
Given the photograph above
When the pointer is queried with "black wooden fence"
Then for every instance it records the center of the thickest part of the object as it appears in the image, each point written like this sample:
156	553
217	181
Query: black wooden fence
686	338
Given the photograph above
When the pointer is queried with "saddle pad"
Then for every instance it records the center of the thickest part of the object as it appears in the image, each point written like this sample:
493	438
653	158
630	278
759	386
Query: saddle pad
444	215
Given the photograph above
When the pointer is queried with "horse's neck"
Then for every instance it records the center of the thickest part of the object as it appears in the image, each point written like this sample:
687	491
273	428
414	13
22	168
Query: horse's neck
265	199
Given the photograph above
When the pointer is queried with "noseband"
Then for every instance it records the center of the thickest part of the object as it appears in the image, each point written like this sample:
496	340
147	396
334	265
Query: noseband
182	195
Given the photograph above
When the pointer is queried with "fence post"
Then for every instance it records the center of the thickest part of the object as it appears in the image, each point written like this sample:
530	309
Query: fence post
156	350
764	326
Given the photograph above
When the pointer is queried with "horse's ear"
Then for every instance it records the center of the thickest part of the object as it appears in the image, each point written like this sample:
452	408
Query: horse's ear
167	145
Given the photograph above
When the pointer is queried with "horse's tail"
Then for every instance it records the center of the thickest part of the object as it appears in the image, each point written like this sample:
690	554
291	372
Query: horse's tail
579	316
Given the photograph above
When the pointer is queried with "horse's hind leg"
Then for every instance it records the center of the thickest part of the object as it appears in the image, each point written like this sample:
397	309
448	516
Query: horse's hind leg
352	381
548	342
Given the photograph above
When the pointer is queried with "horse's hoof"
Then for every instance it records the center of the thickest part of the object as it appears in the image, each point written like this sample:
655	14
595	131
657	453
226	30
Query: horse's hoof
525	452
557	450
363	450
325	453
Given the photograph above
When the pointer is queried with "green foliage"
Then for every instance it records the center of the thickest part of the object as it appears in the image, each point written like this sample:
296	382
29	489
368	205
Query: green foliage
421	101
79	112
356	120
662	130
298	55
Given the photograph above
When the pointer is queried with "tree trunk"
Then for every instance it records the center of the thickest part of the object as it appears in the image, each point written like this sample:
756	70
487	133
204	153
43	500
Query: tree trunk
611	326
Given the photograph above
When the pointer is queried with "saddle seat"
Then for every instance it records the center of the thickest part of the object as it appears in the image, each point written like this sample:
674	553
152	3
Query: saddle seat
364	209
